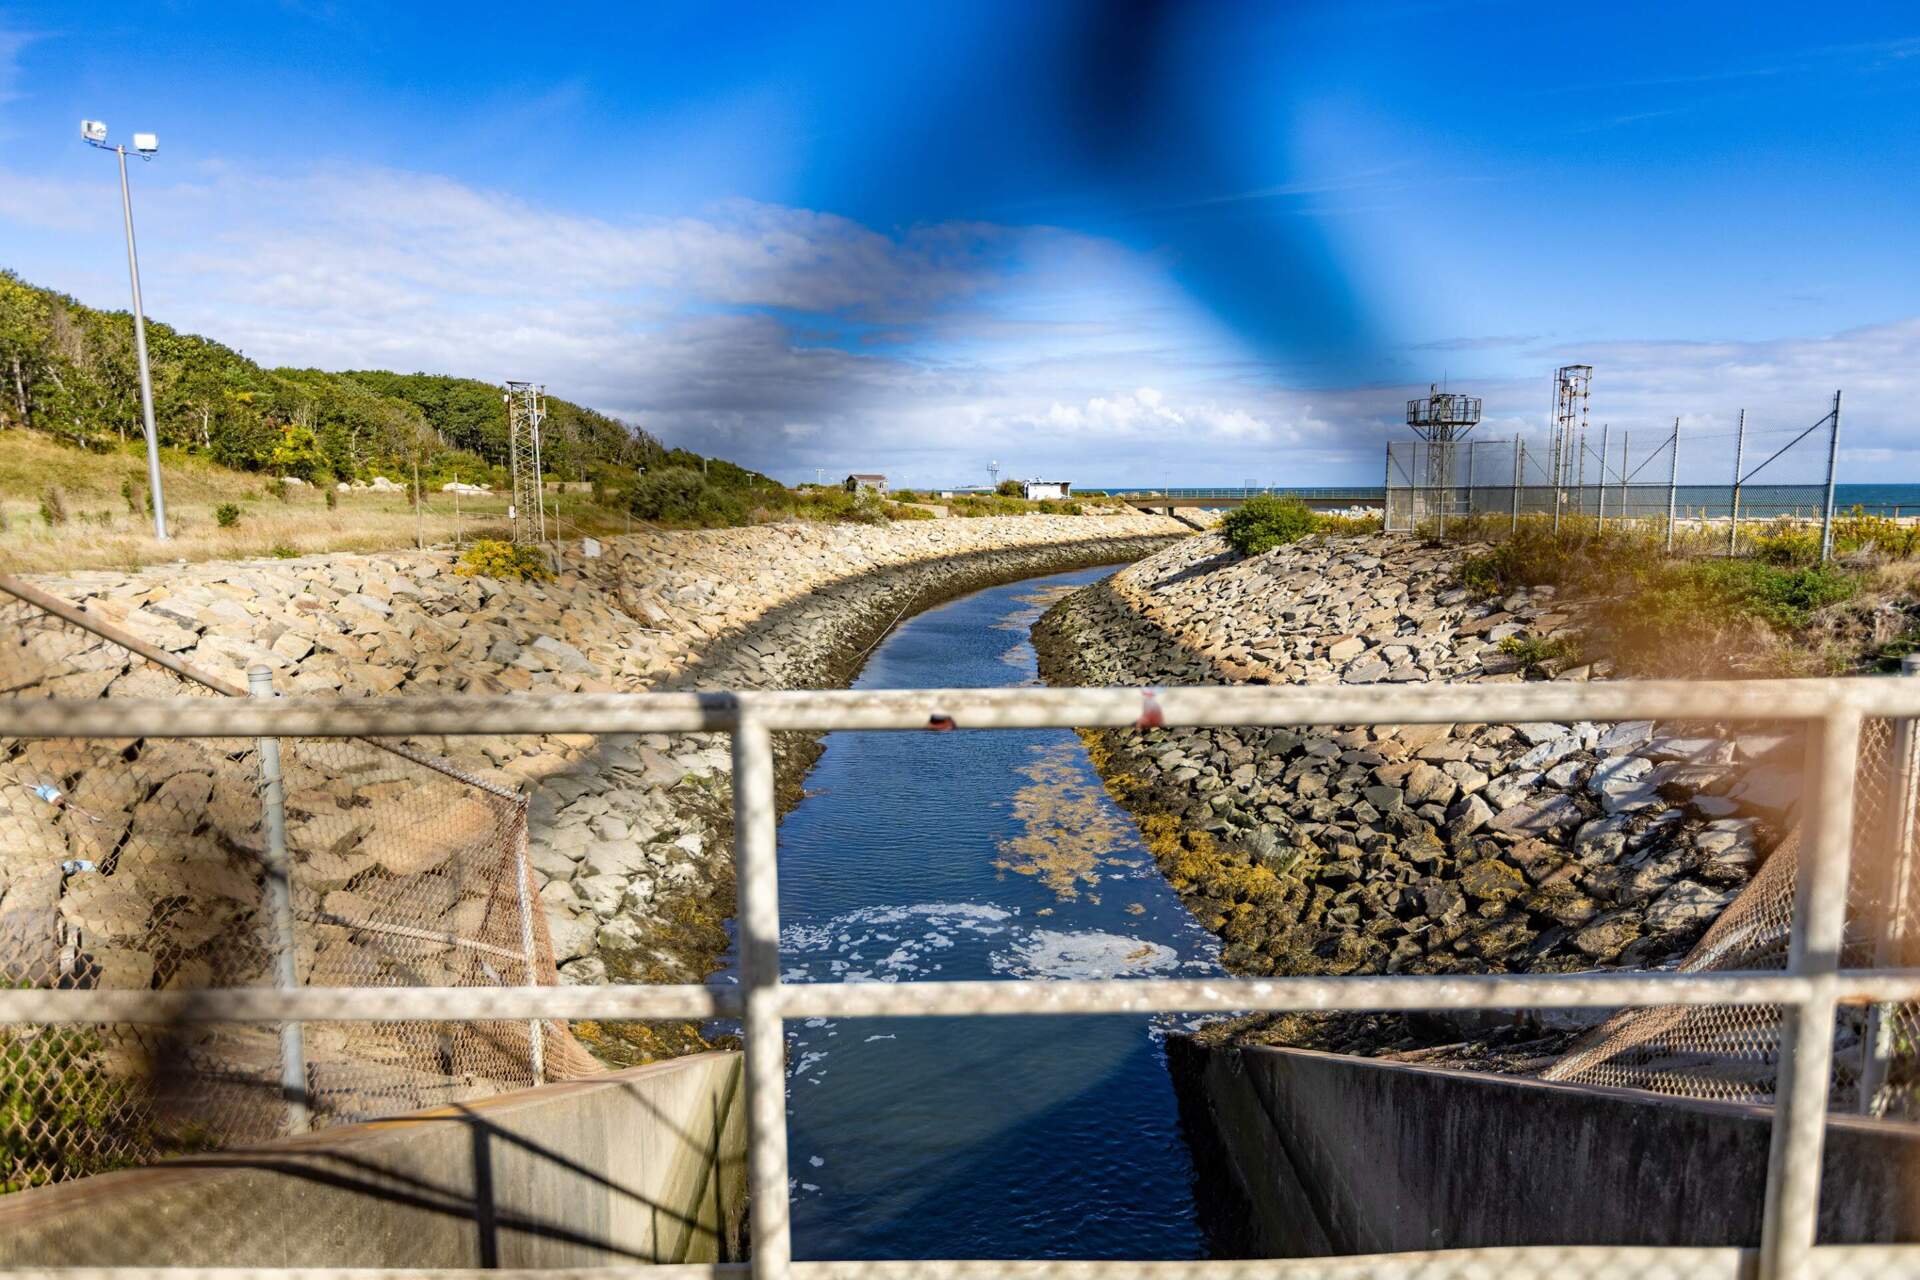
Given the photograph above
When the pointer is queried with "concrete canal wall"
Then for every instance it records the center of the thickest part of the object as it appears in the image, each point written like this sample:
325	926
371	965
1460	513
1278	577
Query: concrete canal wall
643	1165
1330	1154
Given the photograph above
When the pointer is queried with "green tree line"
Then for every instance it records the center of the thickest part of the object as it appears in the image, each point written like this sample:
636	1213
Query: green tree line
69	370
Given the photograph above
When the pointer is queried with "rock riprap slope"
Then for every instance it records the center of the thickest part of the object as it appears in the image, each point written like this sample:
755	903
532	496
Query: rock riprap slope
1414	848
628	835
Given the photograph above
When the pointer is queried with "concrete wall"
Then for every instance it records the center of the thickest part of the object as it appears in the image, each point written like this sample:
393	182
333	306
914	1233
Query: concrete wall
643	1165
1332	1154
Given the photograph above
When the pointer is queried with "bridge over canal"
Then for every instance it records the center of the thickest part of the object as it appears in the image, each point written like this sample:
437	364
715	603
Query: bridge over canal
1170	499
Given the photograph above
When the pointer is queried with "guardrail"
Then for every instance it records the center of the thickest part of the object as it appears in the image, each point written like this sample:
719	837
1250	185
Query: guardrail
1811	988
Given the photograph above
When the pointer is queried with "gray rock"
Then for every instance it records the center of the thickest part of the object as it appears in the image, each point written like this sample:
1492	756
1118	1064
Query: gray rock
1624	737
1467	816
1686	905
1538	814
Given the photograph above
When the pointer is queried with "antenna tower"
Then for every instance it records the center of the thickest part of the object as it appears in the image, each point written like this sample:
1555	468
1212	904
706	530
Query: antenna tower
993	475
526	410
1442	419
1572	385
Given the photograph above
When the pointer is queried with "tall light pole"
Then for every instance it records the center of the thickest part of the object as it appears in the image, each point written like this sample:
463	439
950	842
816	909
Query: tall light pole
145	144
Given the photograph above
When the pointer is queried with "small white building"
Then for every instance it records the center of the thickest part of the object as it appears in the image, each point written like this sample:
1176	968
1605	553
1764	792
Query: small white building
860	482
1034	490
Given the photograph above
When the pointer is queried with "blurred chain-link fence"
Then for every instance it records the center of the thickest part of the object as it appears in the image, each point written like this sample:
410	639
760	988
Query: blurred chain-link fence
198	863
1731	1052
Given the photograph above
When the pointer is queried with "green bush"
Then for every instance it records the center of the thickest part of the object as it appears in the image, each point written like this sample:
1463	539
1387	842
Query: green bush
281	551
1265	522
681	495
513	562
53	506
226	515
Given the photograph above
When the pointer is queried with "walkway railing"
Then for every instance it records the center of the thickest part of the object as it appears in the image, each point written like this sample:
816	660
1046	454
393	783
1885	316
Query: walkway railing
1811	988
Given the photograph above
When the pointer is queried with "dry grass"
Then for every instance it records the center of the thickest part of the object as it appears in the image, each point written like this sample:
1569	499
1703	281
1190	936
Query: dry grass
100	532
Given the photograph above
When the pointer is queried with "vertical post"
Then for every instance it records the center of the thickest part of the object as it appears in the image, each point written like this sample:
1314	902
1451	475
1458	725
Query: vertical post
1739	456
140	353
759	925
1833	456
1600	498
1471	505
1386	493
1519	479
529	952
1673	480
279	904
1903	791
419	530
1625	436
1806	1025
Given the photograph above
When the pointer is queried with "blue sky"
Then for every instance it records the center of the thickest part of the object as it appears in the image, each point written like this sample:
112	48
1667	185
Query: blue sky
1115	242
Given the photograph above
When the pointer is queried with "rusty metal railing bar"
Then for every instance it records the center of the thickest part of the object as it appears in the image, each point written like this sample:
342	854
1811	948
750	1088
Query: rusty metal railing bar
1807	1025
1725	702
943	999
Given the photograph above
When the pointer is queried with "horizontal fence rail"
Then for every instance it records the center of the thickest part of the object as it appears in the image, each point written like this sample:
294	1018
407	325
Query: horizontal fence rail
1811	988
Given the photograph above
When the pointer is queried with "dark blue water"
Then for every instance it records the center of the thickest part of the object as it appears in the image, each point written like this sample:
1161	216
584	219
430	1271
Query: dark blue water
978	855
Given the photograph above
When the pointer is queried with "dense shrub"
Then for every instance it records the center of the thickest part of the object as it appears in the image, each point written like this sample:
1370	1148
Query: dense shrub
681	495
1265	522
226	515
492	558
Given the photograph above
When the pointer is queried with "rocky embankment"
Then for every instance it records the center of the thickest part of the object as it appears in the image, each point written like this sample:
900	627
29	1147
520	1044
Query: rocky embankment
629	837
1416	848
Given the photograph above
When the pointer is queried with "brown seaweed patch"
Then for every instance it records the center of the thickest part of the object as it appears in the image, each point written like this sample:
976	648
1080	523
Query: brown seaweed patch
1067	826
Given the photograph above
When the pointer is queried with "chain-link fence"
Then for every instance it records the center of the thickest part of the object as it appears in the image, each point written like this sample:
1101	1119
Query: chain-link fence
1705	479
1732	1053
194	864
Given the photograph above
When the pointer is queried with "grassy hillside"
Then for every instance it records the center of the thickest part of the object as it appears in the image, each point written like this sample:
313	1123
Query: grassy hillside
69	371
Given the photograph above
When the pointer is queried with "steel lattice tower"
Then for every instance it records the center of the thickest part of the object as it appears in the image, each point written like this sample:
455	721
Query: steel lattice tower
526	410
1442	419
1572	385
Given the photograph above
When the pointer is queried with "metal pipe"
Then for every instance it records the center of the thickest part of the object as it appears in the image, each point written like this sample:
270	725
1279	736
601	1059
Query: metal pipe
1624	436
1806	1025
1833	456
279	904
1739	453
1519	478
1724	701
1600	498
140	352
529	953
1673	480
759	932
642	1002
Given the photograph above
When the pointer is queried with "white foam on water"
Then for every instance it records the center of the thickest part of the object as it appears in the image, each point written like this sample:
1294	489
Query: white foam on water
1046	953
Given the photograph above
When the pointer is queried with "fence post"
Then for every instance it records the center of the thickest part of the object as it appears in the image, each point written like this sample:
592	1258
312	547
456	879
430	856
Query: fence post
1471	505
759	931
279	904
1673	480
1804	1076
1519	478
1600	499
1903	791
523	877
1833	455
1739	453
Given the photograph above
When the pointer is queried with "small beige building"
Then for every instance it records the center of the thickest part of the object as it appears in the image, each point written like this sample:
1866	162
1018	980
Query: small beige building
867	483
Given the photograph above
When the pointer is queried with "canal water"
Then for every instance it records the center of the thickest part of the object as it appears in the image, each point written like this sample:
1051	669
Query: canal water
933	856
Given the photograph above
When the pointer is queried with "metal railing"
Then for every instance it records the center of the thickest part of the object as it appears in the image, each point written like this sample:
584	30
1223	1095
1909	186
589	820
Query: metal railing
1811	988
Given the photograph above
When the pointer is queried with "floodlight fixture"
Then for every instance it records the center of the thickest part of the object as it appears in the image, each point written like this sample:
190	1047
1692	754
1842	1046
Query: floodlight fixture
94	133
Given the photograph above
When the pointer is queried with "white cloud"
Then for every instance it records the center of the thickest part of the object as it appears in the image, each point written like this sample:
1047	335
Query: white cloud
744	330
